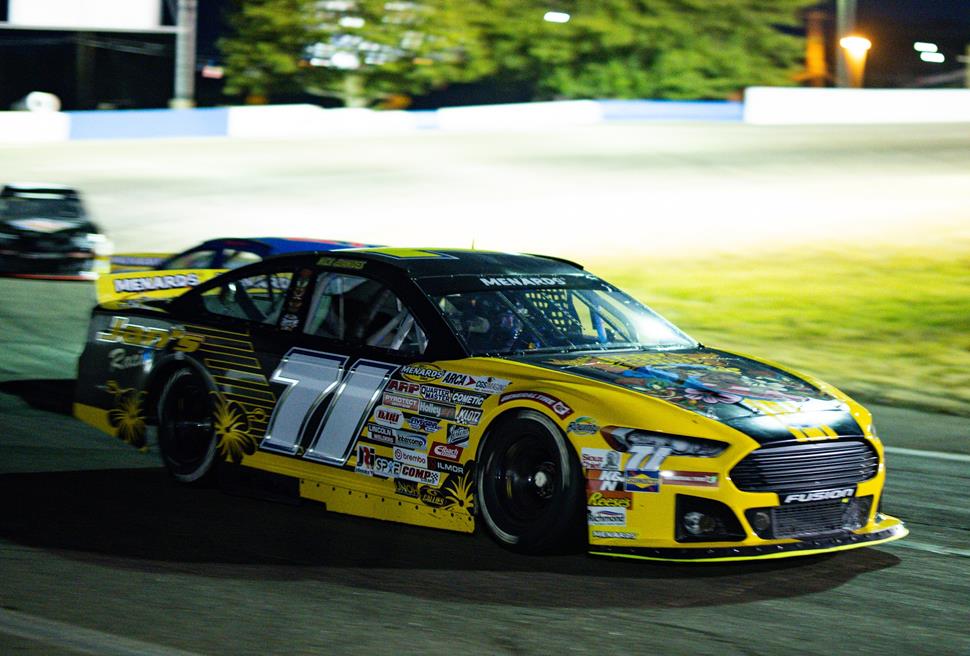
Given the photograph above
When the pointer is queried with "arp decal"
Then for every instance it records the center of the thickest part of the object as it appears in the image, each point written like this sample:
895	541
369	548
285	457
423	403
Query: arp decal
121	330
556	405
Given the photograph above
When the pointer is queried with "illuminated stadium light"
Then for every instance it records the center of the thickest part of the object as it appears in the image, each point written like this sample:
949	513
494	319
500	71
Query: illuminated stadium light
932	57
856	46
556	17
923	46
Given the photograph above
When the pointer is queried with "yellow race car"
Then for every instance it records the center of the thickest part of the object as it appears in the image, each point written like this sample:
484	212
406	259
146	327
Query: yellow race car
453	389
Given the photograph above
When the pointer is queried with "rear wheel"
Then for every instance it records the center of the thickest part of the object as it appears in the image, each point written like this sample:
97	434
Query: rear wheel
530	485
186	437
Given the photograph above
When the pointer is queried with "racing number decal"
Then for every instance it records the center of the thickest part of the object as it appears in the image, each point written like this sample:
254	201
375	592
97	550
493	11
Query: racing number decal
311	378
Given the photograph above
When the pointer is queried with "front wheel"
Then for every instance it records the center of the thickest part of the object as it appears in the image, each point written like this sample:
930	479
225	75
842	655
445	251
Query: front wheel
186	437
529	484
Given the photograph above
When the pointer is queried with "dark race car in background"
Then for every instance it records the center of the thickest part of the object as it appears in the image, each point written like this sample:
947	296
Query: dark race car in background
166	274
45	232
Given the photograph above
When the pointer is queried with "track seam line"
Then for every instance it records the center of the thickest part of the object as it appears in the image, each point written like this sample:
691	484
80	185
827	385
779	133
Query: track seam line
931	548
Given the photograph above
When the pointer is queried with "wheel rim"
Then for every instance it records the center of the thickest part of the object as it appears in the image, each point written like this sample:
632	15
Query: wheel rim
525	479
188	424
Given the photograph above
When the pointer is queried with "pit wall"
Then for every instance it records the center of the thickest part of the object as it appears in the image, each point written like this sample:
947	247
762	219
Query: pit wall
761	106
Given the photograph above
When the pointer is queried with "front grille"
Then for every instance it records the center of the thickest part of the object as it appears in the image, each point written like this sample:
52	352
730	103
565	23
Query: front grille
799	466
817	518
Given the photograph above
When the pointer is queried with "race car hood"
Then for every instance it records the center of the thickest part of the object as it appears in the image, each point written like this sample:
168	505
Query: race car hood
758	399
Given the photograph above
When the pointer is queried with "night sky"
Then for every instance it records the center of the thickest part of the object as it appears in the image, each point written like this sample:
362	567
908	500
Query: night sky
33	60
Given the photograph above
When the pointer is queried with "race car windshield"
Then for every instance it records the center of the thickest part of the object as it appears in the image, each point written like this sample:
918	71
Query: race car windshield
48	206
515	321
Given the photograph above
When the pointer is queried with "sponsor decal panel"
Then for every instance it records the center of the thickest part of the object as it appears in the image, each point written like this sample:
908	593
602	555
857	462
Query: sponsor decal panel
409	457
468	398
693	479
609	500
643	481
410	440
403	402
819	495
423	424
422	373
486	384
615	535
388	416
382	434
368	462
403	387
341	263
119	359
120	330
435	393
605	480
418	474
583	426
556	405
598	516
600	459
446	466
468	416
446	451
458	434
436	410
433	497
406	488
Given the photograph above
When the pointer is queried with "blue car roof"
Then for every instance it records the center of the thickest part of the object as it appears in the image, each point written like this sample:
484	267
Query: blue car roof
278	245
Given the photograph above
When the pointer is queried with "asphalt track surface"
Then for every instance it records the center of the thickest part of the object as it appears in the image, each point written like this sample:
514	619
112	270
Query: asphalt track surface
101	553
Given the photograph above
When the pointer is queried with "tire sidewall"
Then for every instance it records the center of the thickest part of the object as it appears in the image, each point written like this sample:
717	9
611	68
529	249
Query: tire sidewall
207	464
556	527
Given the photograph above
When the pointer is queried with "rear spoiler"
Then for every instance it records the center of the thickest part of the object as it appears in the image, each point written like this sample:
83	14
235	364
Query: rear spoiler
150	284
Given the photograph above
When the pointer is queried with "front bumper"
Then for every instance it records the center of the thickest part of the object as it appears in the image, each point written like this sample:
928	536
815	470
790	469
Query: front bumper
887	530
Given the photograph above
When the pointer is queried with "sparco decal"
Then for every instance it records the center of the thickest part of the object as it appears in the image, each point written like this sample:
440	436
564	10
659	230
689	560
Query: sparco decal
522	281
387	416
468	416
820	495
120	330
422	373
561	409
147	283
446	451
610	500
458	434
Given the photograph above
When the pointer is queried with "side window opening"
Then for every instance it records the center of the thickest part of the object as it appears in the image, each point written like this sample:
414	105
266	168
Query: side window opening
256	298
363	312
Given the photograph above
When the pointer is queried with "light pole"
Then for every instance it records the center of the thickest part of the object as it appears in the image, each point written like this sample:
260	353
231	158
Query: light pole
856	50
185	55
844	26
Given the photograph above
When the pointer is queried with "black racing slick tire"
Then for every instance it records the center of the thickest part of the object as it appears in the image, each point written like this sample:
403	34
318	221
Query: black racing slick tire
186	436
530	485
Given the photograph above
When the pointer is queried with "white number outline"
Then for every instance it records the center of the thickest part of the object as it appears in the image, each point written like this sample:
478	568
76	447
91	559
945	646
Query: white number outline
310	378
